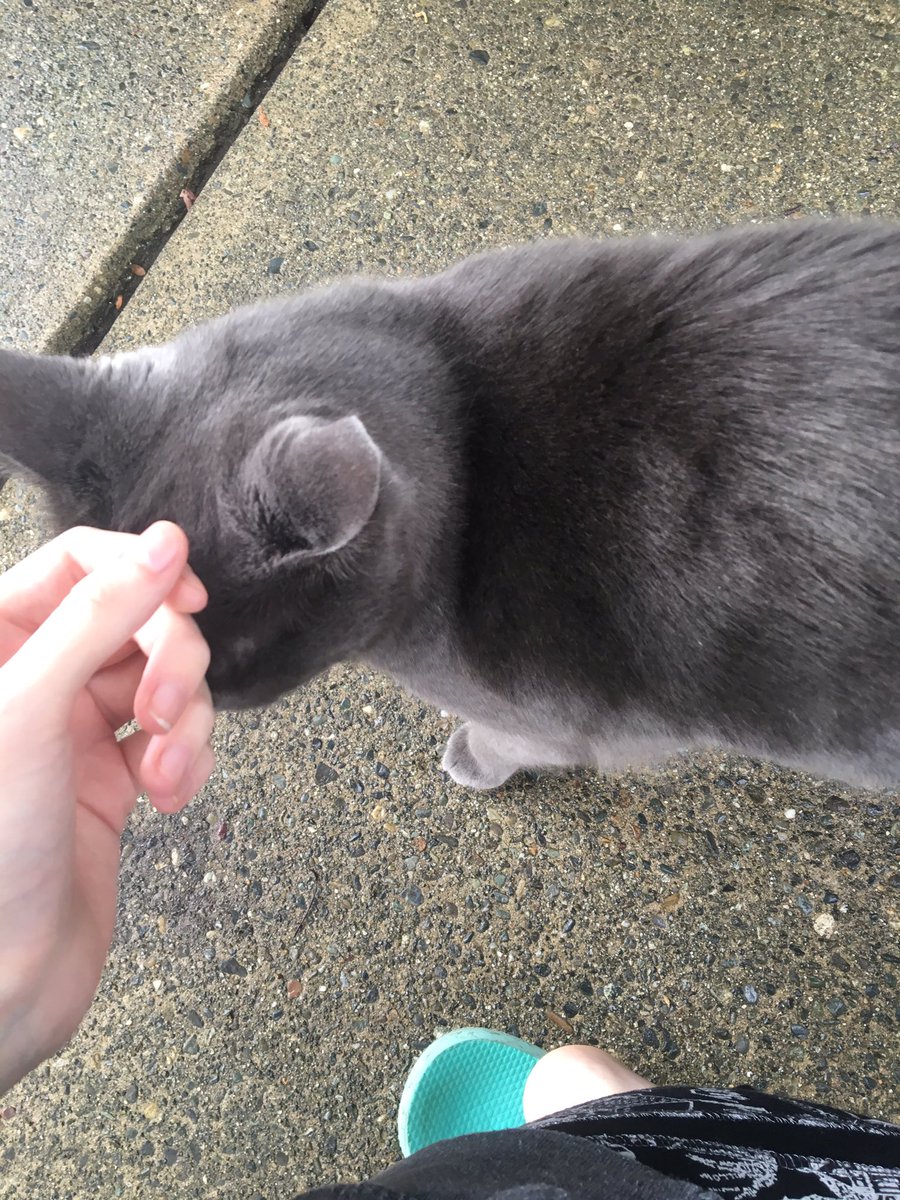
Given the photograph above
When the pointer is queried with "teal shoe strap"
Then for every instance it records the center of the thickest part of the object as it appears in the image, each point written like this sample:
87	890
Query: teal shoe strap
468	1081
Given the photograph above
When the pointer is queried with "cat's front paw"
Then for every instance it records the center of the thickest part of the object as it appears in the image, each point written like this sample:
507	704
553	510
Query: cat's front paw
470	764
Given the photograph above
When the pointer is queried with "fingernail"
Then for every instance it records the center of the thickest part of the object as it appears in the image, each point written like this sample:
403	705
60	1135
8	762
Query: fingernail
166	704
173	763
156	547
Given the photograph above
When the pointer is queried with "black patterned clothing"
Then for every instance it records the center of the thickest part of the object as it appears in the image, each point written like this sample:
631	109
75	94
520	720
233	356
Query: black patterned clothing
657	1144
745	1145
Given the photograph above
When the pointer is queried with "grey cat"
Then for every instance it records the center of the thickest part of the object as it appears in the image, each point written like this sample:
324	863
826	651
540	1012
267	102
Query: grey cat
604	499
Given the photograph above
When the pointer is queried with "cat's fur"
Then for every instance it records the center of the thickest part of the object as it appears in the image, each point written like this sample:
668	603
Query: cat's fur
604	500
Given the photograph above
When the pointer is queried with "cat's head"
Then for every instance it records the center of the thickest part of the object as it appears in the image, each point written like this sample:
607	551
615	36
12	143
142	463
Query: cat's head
291	508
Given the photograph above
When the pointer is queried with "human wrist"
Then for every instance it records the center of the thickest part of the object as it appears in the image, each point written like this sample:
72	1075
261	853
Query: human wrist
35	1020
18	1050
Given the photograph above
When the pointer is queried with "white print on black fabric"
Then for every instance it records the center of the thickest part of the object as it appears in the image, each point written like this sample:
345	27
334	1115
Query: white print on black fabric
745	1145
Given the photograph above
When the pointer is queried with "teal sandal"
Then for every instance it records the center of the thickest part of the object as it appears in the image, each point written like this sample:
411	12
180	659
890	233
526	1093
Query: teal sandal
467	1081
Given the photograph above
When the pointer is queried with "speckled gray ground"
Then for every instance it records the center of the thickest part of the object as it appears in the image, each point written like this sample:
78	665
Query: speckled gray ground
331	901
105	111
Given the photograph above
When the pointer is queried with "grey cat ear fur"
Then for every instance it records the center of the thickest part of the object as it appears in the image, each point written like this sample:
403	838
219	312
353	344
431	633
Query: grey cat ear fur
310	486
44	402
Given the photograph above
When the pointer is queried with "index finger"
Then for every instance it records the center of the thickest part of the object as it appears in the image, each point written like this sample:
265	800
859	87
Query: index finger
101	613
37	585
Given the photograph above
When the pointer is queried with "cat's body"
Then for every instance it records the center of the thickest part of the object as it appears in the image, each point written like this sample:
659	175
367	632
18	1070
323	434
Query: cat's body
604	500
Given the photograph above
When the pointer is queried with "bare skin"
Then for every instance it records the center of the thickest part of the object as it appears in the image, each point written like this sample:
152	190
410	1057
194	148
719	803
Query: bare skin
571	1075
96	630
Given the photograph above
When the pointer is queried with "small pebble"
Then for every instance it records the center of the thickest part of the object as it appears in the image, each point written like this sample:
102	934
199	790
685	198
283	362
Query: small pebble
750	994
836	1006
799	1031
824	924
325	774
848	858
275	265
742	1043
479	56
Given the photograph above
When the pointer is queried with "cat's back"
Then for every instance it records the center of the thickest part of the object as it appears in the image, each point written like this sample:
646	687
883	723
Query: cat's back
683	457
634	293
784	332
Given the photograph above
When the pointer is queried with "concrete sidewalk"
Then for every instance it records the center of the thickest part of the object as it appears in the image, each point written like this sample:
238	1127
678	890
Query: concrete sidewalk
107	112
288	945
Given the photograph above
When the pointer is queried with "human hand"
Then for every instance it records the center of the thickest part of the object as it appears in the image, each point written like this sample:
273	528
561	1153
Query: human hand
94	631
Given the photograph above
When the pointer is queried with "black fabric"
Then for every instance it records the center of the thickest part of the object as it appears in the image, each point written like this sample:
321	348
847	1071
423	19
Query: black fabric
487	1166
515	1164
743	1144
657	1144
353	1191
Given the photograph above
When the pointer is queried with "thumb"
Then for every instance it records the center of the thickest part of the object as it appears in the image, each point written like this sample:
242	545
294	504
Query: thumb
98	616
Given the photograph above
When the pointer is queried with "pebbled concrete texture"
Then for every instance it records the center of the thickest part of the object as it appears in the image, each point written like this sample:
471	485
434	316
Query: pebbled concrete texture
105	113
403	137
288	945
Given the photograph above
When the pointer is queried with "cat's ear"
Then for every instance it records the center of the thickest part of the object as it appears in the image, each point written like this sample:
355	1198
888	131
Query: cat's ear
309	486
44	402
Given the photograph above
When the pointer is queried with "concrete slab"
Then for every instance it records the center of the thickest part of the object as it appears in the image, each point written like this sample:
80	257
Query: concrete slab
105	114
288	945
